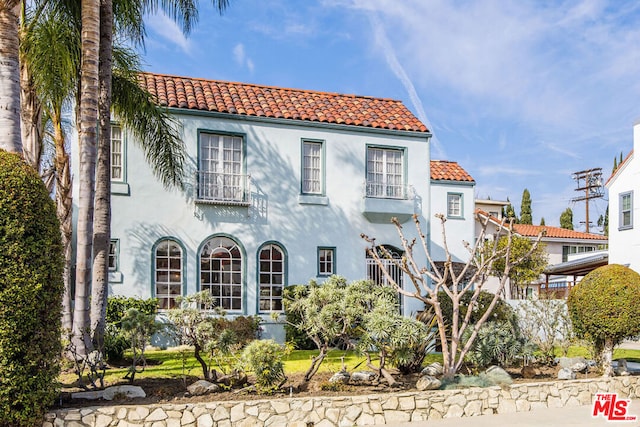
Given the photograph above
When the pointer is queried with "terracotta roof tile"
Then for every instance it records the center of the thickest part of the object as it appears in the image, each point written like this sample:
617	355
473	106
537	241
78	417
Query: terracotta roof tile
449	171
294	104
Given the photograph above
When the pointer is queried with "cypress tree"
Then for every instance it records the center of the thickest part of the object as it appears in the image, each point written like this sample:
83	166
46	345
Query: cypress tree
525	208
566	219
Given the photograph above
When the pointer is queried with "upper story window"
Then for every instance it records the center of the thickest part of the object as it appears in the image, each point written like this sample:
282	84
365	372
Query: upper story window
312	167
326	261
221	176
385	173
576	249
626	210
168	278
271	271
221	272
454	205
117	153
113	255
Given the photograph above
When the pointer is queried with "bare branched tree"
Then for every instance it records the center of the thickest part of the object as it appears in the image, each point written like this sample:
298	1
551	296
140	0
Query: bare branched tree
434	278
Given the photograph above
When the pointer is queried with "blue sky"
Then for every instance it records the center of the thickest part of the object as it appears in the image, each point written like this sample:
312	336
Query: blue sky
521	93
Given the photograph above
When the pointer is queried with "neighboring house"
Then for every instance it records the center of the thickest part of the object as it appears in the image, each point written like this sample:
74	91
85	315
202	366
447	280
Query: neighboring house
280	185
624	209
560	245
452	195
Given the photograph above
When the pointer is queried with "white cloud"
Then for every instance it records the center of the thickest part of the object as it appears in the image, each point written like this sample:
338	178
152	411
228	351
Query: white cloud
167	29
241	57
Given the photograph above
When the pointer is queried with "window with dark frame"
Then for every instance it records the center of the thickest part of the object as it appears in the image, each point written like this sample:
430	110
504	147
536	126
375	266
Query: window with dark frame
326	261
271	270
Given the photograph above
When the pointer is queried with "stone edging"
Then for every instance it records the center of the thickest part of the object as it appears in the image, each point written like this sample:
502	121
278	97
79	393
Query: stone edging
351	410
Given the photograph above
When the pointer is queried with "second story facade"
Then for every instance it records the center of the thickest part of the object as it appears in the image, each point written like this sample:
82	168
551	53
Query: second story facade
280	185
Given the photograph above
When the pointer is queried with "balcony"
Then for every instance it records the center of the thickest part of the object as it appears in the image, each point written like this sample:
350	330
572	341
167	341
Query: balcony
383	201
223	189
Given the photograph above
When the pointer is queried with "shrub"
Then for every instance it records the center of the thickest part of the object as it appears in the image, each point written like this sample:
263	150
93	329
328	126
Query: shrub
115	340
501	312
497	343
603	309
264	359
294	334
31	265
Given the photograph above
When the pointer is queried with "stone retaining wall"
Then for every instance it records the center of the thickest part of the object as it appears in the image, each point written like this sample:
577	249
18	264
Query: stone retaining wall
351	410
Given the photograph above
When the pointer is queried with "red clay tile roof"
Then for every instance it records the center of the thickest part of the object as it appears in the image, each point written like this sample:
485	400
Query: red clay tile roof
615	172
267	101
449	171
527	230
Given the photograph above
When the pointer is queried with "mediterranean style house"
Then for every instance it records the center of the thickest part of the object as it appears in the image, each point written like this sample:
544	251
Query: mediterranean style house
563	247
281	184
624	233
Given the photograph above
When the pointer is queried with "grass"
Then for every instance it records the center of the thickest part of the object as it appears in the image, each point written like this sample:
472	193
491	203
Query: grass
180	363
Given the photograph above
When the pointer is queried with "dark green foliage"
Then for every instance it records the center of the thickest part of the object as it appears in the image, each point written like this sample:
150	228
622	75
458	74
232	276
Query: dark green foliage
501	312
295	335
566	219
31	286
509	213
604	305
525	208
498	343
542	221
244	328
115	341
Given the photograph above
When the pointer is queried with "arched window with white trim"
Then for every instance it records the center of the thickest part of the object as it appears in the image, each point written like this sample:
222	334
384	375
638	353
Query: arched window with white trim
169	275
271	277
221	272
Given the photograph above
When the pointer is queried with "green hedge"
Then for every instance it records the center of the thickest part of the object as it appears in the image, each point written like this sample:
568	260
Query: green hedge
31	264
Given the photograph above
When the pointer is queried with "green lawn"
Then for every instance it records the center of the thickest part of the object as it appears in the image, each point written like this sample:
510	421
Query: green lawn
174	363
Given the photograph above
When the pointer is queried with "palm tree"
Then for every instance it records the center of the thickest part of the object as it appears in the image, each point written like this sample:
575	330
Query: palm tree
10	136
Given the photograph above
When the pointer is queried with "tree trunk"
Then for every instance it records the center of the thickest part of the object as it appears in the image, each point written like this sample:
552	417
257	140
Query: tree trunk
88	120
10	136
64	208
606	357
102	220
32	126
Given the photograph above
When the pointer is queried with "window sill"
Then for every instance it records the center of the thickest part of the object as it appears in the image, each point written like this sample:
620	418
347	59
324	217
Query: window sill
120	188
309	199
455	217
116	277
626	227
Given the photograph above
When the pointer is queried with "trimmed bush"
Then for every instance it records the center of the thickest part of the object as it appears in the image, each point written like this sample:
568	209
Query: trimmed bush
502	312
31	264
115	340
603	308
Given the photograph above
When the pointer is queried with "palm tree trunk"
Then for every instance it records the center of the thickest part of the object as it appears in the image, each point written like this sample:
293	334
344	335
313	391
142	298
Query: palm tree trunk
88	124
32	127
64	211
102	220
10	137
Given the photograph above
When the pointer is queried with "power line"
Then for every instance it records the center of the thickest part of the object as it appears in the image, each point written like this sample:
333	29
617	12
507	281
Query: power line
590	182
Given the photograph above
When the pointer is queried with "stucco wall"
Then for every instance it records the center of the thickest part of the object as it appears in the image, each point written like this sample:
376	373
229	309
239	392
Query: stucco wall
352	410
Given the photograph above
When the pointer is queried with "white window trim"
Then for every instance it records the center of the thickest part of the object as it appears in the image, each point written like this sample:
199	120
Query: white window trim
460	198
308	180
621	224
385	188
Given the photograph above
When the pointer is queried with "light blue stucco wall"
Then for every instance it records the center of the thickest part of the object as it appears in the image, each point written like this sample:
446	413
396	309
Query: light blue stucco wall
458	230
150	212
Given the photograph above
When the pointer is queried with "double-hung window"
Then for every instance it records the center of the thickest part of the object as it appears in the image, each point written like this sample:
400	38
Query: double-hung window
326	261
312	167
220	174
385	173
626	210
117	154
113	255
454	205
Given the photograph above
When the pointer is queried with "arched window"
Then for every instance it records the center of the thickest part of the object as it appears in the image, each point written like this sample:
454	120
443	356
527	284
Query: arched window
168	278
221	272
271	271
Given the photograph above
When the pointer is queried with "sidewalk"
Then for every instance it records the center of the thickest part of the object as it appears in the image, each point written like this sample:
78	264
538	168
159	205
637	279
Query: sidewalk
554	417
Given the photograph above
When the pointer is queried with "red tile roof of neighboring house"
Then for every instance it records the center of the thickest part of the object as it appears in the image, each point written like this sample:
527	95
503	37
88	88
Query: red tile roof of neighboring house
615	172
554	232
449	171
527	230
275	102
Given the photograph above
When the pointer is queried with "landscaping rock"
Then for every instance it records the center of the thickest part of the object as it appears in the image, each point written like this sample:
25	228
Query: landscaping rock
566	374
622	369
579	367
127	391
568	362
340	377
201	387
497	375
428	382
435	370
363	377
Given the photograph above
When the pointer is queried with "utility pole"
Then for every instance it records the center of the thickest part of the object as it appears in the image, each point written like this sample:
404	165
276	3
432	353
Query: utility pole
590	182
